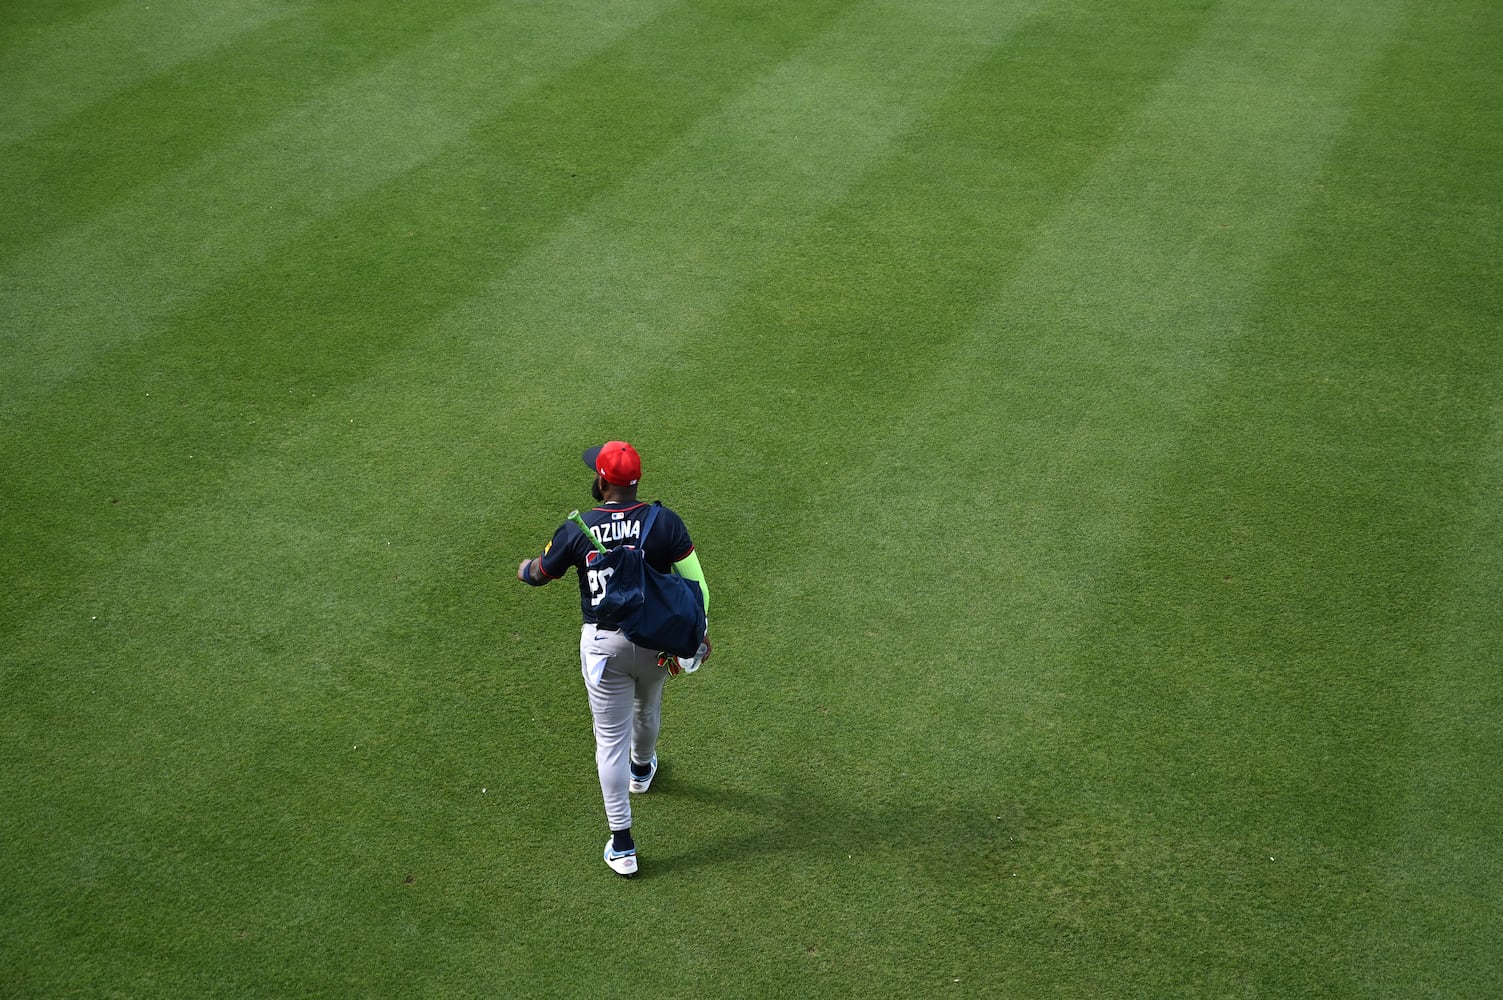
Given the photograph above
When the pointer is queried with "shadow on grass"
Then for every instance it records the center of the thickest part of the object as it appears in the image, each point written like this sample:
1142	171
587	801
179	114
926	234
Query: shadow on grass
916	826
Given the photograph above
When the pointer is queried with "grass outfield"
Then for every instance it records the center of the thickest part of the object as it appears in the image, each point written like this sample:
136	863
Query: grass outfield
1089	415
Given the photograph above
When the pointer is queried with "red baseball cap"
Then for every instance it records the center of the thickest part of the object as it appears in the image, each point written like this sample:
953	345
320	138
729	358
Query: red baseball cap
616	461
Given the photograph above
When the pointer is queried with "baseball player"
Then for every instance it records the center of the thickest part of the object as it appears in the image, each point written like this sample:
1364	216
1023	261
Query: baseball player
624	680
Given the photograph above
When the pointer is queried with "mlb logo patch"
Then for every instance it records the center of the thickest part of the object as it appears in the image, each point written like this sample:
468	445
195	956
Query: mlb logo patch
617	515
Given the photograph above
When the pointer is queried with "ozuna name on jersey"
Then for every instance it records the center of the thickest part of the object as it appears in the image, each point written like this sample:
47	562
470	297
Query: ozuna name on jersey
616	531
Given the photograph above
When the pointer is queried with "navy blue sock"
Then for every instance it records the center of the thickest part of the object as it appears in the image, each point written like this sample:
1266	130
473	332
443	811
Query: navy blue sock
622	840
641	770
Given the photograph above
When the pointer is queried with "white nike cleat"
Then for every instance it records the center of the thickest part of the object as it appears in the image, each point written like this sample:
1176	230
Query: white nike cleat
642	784
623	863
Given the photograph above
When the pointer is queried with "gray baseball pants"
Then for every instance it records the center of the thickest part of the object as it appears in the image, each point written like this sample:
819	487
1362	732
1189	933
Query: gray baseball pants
625	685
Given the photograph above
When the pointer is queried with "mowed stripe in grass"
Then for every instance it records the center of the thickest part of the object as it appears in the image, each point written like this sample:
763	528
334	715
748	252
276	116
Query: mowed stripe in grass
123	275
164	122
1407	297
44	80
1441	910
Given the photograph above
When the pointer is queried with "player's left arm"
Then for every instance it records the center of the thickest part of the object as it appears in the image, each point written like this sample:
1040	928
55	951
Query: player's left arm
688	567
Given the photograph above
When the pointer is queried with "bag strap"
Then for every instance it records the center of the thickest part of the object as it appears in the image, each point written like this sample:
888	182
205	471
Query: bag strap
652	515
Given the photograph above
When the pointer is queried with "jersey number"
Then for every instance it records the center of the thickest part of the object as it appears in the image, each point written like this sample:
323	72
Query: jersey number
598	578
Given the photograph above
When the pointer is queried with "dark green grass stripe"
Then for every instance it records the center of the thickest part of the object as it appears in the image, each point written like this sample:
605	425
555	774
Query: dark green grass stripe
1439	872
51	70
82	164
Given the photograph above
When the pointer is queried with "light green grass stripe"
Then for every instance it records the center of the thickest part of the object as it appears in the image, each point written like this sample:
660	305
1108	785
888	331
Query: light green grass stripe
115	278
48	75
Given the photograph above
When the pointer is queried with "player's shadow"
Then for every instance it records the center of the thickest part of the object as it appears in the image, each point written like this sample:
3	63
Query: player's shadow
810	821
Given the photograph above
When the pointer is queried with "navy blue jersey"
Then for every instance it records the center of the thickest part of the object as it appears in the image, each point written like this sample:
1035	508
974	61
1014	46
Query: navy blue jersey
615	524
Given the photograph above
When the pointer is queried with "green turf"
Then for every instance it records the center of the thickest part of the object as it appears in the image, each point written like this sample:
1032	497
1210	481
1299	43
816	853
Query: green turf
1088	415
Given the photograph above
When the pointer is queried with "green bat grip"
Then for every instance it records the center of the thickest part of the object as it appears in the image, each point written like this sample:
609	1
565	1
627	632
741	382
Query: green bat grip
574	516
